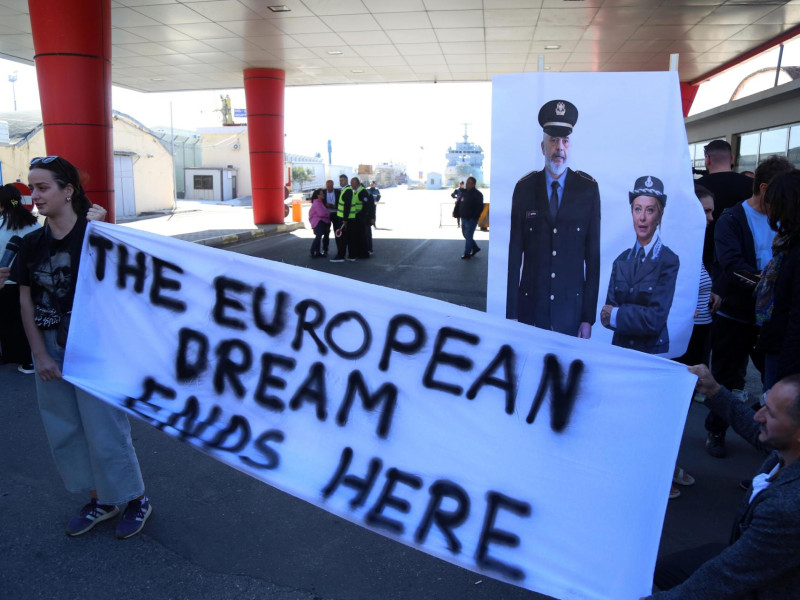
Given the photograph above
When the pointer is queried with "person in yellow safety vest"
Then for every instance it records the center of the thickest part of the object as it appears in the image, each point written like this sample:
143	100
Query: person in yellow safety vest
350	211
333	201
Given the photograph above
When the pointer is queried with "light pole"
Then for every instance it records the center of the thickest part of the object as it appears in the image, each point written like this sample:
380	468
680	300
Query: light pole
13	78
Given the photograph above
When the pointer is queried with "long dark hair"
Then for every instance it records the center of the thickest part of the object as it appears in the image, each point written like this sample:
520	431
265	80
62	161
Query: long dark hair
65	173
783	202
15	216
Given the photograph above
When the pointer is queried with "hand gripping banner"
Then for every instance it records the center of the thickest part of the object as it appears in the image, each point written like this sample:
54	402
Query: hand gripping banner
520	454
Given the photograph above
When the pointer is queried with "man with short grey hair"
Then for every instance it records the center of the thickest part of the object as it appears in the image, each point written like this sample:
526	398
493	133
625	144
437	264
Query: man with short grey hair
554	241
763	558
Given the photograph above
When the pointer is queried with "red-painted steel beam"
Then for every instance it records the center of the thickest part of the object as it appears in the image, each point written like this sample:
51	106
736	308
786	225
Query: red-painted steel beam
72	45
264	93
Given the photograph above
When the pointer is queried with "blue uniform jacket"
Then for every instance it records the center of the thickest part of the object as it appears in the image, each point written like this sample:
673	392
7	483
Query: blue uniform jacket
554	267
644	299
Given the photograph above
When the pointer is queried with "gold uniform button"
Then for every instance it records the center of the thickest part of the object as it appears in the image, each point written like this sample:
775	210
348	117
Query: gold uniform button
555	230
552	297
552	275
554	252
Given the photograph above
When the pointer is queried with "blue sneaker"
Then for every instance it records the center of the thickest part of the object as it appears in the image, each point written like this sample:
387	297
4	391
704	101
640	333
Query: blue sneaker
133	518
90	515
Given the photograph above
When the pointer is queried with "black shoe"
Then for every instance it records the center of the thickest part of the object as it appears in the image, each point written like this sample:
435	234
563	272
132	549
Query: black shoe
715	444
466	257
474	252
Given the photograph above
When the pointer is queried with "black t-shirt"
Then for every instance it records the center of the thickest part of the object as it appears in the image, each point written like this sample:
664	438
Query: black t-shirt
50	268
729	188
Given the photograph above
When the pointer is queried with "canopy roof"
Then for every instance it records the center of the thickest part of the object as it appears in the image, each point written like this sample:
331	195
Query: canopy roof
168	45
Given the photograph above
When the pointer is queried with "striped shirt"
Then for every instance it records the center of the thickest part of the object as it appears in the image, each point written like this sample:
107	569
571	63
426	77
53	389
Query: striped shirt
703	313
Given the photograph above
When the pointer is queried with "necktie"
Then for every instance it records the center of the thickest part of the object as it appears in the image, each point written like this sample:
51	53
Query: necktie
639	259
554	200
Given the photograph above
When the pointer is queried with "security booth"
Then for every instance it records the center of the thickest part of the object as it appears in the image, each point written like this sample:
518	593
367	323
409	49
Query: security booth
211	184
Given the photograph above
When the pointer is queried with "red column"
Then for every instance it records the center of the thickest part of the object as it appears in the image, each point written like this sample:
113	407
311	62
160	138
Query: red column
263	90
72	44
688	92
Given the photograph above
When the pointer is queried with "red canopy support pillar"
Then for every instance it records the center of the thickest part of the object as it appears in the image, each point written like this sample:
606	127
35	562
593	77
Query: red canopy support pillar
72	45
688	92
263	90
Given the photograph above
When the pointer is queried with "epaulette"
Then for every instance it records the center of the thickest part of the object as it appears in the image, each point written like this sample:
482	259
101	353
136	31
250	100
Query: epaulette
531	174
586	176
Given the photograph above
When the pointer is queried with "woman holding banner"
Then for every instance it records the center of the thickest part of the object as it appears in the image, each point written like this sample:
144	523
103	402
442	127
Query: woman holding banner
90	441
643	277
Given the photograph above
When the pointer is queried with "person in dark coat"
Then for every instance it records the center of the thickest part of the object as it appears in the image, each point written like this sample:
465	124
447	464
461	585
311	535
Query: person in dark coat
643	277
742	242
470	209
761	562
777	305
554	242
728	187
457	194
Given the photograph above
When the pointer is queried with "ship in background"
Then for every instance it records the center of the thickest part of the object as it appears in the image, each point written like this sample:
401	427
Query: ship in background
465	160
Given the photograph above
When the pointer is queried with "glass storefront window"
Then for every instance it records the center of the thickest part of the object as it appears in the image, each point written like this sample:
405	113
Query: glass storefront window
747	158
773	141
794	145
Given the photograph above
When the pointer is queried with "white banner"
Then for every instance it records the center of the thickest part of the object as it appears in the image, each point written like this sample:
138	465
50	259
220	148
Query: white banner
629	125
523	455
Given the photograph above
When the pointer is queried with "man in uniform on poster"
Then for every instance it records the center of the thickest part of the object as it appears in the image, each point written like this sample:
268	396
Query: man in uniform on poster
554	245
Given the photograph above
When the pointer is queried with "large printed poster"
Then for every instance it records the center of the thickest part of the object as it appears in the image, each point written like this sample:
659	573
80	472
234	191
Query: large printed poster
516	453
613	251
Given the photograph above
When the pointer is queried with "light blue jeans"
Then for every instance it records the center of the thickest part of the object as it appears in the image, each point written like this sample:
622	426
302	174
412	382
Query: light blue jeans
89	439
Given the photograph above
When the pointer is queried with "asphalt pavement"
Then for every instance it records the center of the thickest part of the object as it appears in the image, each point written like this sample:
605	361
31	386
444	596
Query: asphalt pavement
216	533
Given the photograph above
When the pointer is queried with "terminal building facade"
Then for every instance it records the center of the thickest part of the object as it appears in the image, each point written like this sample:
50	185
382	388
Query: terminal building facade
756	127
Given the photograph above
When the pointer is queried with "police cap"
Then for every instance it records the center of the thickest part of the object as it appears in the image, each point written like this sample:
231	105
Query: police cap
558	117
648	185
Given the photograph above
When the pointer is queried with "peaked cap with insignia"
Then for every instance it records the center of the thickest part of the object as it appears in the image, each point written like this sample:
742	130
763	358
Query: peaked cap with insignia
558	117
647	185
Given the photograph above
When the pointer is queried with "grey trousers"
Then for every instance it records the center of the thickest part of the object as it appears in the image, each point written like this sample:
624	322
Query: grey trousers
89	439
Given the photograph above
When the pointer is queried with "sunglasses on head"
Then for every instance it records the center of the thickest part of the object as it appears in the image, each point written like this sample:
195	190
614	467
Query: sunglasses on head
45	160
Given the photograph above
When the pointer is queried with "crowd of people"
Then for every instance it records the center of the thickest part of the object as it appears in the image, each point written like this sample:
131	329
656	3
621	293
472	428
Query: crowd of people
350	211
747	312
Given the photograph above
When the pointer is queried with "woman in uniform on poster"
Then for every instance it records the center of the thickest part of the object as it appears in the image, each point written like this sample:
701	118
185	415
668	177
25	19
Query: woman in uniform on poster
642	282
